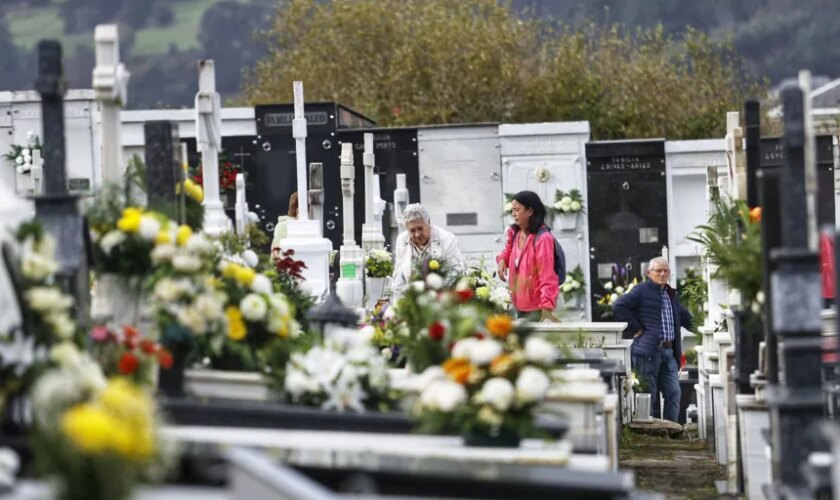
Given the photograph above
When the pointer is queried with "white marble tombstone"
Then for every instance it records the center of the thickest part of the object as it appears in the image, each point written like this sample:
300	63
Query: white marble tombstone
350	288
110	85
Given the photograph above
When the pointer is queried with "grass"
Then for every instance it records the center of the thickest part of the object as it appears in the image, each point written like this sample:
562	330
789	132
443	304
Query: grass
30	25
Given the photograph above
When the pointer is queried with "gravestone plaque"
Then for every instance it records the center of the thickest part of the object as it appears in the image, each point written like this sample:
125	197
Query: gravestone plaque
163	170
628	210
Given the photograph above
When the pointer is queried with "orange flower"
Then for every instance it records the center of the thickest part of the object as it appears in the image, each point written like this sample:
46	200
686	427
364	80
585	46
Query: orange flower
458	369
755	214
499	325
501	365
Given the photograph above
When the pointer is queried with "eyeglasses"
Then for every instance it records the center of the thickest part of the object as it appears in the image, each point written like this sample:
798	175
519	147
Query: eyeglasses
660	271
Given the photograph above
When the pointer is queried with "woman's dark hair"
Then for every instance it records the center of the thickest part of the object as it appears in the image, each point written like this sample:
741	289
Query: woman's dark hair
530	199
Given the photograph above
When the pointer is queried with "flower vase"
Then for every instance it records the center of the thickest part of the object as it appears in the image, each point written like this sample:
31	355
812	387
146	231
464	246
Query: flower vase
482	439
118	300
566	221
375	290
178	342
642	412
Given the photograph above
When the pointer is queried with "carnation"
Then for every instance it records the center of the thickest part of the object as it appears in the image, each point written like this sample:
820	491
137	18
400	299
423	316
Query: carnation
497	392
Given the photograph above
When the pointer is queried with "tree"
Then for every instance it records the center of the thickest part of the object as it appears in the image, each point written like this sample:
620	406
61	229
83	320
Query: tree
437	61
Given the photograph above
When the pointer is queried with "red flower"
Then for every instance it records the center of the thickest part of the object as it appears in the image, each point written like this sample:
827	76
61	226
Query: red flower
683	361
130	332
148	346
465	295
479	335
128	364
436	330
164	359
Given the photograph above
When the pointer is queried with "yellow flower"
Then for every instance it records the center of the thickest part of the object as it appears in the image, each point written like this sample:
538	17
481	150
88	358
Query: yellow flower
196	192
236	327
482	292
434	265
122	398
89	427
230	270
184	233
130	220
163	238
283	331
245	275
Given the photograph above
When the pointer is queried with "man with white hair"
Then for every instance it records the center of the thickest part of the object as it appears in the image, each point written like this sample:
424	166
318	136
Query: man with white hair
654	315
421	240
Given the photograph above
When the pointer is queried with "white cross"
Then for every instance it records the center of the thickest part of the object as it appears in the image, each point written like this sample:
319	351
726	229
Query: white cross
110	83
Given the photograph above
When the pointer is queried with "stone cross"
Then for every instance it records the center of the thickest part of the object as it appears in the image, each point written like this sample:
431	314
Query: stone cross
110	84
372	236
208	127
162	169
400	201
299	133
735	157
56	209
797	302
350	288
52	86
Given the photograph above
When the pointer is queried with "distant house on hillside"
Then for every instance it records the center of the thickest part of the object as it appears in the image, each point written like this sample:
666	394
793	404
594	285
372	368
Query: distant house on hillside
825	104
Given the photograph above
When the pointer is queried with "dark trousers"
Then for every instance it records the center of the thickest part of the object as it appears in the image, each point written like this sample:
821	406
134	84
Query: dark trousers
660	374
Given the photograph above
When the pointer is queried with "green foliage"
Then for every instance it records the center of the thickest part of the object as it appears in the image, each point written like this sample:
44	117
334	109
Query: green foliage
693	292
626	83
732	242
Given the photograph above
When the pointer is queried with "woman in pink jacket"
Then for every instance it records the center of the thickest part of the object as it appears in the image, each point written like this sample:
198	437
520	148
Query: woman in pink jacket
528	259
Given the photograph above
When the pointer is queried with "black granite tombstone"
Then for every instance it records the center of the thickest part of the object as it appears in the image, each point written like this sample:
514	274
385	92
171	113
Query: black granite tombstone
628	210
272	178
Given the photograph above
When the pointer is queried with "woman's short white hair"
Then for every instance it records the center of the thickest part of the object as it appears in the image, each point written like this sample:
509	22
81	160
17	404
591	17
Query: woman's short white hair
416	211
659	260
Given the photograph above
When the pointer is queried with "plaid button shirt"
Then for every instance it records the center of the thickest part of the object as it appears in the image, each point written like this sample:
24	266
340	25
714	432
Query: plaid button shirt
667	317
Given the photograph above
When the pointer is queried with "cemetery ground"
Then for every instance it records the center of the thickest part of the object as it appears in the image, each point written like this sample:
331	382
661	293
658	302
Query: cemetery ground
680	467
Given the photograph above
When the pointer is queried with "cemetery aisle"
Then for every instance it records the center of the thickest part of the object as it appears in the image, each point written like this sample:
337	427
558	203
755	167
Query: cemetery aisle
677	467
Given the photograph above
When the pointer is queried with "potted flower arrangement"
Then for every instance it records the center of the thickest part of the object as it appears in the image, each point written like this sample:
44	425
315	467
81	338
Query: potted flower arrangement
574	288
489	387
339	376
127	353
186	301
23	156
95	439
486	287
379	266
618	286
693	293
46	320
227	178
566	207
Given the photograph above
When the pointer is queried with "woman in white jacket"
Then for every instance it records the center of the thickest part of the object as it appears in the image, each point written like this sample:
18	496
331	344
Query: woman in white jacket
421	240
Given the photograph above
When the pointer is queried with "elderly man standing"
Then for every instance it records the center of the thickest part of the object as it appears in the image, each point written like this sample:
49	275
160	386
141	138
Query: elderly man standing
421	240
654	314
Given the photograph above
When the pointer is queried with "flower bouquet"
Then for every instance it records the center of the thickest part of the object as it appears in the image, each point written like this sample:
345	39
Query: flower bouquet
95	439
23	157
338	376
129	354
487	287
379	263
567	202
488	389
574	287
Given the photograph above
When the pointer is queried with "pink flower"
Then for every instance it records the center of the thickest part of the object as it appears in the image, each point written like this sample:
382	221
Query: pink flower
99	333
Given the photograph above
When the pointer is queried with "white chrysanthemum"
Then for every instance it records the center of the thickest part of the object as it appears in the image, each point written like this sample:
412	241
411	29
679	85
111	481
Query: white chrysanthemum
497	392
186	263
164	253
65	354
63	326
149	227
261	284
576	206
191	319
250	258
484	351
253	307
434	281
167	290
209	306
297	383
48	299
508	207
19	160
461	349
110	240
38	267
539	350
531	385
567	287
443	395
198	243
418	286
280	304
500	296
608	285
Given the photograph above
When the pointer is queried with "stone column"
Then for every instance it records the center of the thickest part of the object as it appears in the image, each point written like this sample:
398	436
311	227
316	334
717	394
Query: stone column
372	236
796	404
110	83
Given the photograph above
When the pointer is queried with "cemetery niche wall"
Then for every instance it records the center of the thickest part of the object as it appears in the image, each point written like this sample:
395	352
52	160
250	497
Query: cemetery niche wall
273	178
628	214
